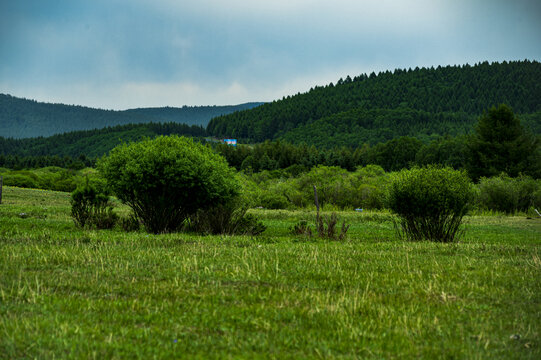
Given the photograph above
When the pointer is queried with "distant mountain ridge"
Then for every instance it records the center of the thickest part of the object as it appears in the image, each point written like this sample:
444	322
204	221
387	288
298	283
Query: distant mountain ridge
22	118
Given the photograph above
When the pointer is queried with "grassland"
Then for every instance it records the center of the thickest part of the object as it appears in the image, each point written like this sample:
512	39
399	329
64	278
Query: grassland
70	293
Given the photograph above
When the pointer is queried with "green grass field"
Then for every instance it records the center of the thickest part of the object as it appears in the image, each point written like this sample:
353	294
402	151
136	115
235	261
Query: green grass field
70	293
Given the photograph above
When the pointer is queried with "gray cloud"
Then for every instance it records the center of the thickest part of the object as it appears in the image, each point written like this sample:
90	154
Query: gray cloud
120	54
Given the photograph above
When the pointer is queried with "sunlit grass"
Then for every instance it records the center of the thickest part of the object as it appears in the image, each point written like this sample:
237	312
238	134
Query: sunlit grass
66	292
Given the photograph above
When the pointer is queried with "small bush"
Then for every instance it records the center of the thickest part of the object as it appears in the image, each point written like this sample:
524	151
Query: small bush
332	185
430	202
498	193
104	218
301	228
226	219
273	201
63	185
371	197
325	228
91	208
536	199
130	223
21	180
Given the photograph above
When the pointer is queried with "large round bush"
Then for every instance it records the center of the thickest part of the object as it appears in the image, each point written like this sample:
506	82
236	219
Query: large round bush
431	202
167	179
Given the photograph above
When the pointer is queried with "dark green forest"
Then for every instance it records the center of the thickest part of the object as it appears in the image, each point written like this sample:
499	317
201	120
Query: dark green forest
359	126
421	102
93	143
21	118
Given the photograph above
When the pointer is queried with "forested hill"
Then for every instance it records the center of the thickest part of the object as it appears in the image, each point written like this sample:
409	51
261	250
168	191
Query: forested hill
378	107
28	118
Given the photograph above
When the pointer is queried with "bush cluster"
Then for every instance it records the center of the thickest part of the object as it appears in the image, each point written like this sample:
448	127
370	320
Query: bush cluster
366	188
172	183
509	195
49	178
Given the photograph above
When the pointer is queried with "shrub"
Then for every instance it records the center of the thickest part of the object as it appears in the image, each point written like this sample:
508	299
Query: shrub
20	179
294	196
325	228
129	223
371	186
104	218
505	194
57	179
49	178
91	208
332	185
301	228
371	197
536	199
529	191
274	201
498	193
430	202
167	179
63	185
226	219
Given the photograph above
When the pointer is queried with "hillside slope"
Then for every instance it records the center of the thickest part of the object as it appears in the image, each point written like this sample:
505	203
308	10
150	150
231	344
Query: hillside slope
20	118
461	92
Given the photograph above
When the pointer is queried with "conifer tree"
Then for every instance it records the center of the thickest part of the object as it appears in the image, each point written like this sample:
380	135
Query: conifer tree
500	144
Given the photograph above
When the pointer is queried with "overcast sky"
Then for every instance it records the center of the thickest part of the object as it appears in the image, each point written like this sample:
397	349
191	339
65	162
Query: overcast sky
119	54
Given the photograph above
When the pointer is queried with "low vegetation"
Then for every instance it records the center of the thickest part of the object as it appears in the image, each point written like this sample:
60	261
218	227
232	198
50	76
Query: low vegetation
366	187
48	178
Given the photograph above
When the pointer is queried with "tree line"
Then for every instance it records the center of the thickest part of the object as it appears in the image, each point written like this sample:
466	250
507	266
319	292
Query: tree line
93	143
498	143
17	162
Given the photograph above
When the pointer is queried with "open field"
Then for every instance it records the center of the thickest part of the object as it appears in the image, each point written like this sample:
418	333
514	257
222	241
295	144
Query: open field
66	292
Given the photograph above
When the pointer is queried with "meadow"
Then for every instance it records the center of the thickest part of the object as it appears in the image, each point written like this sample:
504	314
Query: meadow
72	293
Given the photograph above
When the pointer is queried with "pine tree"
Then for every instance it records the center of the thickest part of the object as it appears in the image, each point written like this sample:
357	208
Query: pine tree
500	144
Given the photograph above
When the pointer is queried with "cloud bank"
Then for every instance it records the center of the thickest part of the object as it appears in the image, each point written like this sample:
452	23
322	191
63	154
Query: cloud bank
121	54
